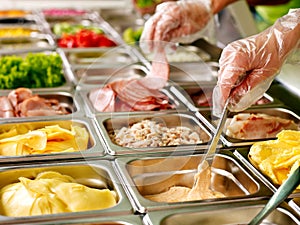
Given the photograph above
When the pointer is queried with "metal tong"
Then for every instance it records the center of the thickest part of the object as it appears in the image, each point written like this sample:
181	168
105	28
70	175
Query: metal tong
214	143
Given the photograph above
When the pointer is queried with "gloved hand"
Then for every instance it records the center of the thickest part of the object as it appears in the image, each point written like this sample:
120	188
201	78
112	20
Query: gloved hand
248	66
173	20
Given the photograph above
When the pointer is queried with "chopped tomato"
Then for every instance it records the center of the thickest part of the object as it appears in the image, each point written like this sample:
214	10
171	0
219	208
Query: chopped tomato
85	38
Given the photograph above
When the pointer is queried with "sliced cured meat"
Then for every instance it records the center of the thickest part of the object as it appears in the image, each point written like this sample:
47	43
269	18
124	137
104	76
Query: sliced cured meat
257	126
6	108
22	103
128	95
18	95
103	99
160	71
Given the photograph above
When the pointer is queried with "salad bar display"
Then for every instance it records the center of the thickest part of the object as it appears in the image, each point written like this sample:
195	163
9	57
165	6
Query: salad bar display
87	137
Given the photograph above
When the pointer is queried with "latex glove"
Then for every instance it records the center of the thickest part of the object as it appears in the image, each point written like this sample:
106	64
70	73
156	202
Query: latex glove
249	65
173	20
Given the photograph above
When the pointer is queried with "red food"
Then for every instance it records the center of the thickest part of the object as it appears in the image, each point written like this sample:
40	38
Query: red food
84	39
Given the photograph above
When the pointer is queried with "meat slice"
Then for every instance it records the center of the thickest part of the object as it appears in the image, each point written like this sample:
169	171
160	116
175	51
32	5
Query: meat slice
19	95
160	71
6	108
103	99
257	126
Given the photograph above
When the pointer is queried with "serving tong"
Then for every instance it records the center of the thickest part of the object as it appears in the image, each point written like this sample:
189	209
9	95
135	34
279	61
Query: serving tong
208	157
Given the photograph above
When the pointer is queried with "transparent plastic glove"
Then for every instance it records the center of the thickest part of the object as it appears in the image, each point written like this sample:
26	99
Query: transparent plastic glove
248	66
174	20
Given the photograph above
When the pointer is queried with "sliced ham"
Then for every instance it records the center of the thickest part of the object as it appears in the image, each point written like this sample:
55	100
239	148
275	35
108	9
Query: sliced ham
18	95
128	95
103	99
6	108
160	71
22	103
257	126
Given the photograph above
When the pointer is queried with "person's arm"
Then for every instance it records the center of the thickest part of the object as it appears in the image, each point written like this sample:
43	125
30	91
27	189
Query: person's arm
257	60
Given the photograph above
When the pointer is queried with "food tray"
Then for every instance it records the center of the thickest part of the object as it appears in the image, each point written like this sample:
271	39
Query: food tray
14	13
37	42
147	175
58	15
193	73
242	155
233	142
108	124
69	100
97	174
98	220
226	214
94	75
95	148
121	19
67	72
201	97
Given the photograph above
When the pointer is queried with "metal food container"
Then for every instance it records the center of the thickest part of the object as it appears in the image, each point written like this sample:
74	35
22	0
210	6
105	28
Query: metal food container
58	15
67	72
121	19
193	73
70	101
94	148
94	75
14	13
233	214
233	142
152	175
107	125
95	219
242	155
95	174
37	42
201	96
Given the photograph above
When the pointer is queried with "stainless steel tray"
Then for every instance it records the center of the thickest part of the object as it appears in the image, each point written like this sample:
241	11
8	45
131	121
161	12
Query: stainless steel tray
97	174
107	124
70	100
92	66
95	219
67	72
226	214
193	73
242	155
150	175
295	204
95	148
233	142
36	42
201	97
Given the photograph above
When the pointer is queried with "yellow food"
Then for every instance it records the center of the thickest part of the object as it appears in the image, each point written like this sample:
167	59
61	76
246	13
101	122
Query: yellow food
277	158
181	194
51	192
15	32
50	139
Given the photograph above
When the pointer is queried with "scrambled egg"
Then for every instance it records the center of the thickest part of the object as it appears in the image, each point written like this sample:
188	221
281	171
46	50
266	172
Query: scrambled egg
51	192
50	139
277	158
